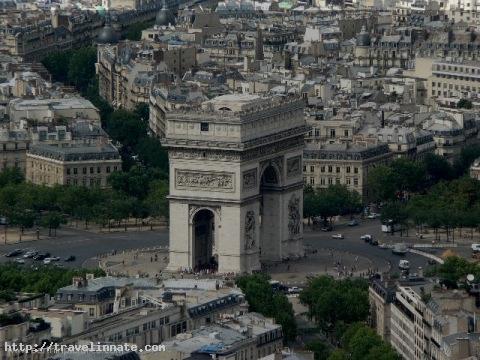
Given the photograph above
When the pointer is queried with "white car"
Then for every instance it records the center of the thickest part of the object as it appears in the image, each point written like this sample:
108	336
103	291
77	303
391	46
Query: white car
19	261
47	261
373	216
476	248
404	265
54	258
294	290
30	254
337	236
366	237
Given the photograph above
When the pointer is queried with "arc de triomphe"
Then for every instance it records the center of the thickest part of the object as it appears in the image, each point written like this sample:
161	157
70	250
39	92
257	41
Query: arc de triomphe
236	184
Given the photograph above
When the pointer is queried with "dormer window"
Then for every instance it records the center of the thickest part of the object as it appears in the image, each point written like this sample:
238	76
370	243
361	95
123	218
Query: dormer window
203	126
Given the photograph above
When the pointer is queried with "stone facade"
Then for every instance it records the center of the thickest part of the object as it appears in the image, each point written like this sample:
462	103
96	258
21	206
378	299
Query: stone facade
235	182
75	165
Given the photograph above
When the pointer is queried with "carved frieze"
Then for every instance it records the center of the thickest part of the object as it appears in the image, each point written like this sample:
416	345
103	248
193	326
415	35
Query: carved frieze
204	155
294	166
249	179
294	217
250	230
204	180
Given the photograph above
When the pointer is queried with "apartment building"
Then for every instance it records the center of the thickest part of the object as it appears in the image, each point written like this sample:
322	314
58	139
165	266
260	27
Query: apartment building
424	322
13	148
347	164
454	79
79	164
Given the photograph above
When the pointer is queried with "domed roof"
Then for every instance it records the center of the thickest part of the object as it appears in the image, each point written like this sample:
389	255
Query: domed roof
363	38
164	17
108	35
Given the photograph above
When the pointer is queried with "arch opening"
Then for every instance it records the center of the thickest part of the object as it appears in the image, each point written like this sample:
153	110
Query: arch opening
204	240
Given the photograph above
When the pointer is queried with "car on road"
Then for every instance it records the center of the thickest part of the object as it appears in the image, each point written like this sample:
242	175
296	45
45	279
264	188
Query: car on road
47	261
13	253
337	236
70	258
373	216
374	242
19	261
54	258
399	249
367	238
353	223
41	256
294	290
30	254
475	248
327	228
404	265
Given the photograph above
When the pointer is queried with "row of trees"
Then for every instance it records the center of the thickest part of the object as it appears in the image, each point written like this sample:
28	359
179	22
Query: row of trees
447	205
340	308
263	299
404	177
138	193
46	279
332	201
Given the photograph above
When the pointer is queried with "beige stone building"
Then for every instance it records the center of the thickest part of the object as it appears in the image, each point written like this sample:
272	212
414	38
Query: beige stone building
86	165
13	149
422	322
346	163
454	79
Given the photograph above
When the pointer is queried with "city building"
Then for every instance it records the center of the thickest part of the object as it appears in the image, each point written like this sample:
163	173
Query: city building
77	164
343	163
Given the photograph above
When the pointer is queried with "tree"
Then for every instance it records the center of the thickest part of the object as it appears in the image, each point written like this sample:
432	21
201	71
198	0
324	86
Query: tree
126	127
57	64
52	220
437	168
331	301
320	349
381	184
395	212
81	68
261	298
11	176
464	104
157	202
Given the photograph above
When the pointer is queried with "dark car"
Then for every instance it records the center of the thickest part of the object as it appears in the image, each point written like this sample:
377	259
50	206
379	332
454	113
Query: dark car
327	228
374	242
353	223
13	253
41	256
70	258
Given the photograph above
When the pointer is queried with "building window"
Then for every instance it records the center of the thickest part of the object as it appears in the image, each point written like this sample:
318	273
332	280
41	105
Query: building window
68	171
330	169
348	169
203	126
348	181
338	169
108	169
330	181
355	181
345	132
355	170
92	312
312	168
312	181
84	170
332	133
91	170
337	181
75	171
99	170
322	181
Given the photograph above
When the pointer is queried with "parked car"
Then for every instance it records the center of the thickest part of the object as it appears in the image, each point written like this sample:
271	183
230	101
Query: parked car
30	254
373	216
19	261
294	290
353	223
374	242
13	253
41	256
47	260
367	238
475	248
54	258
327	228
337	236
70	258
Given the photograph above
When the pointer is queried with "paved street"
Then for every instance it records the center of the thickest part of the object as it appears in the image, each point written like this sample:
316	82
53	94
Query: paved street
86	245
